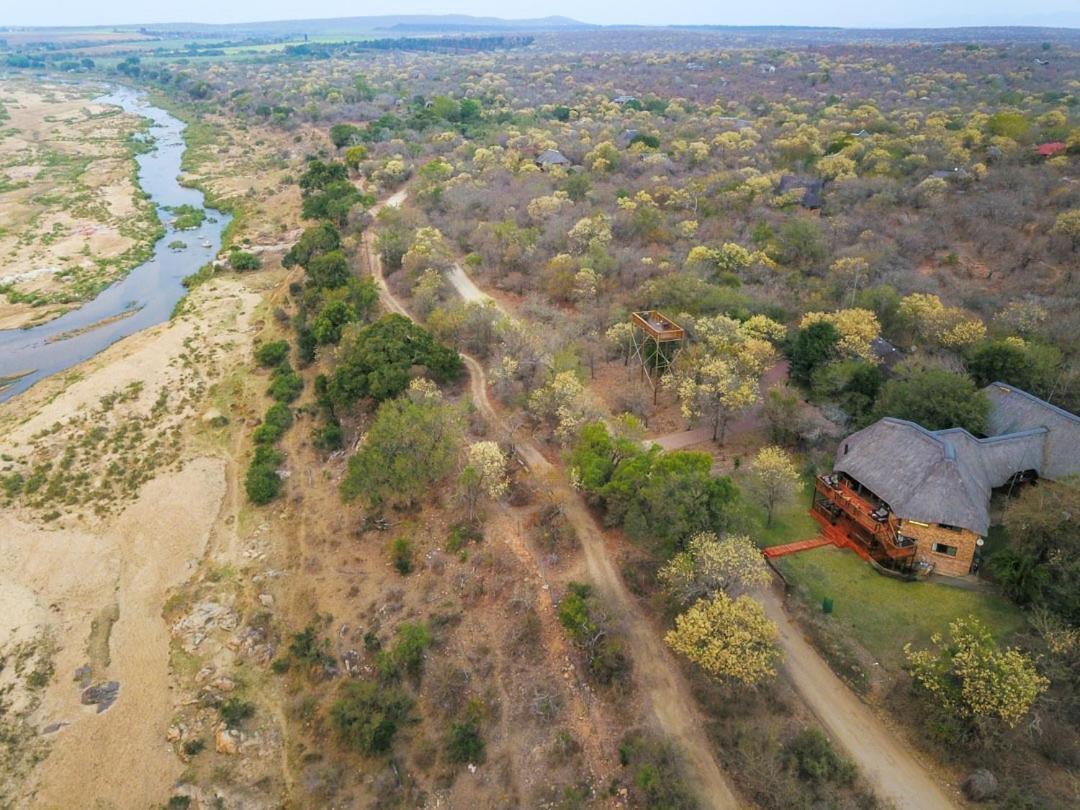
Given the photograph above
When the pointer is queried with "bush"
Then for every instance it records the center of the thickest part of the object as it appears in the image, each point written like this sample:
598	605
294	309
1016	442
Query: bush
654	771
308	649
286	385
262	483
272	354
812	756
464	743
367	715
277	420
407	654
242	260
401	555
328	437
234	711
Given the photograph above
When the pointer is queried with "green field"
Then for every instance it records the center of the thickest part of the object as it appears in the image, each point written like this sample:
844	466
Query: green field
790	523
881	613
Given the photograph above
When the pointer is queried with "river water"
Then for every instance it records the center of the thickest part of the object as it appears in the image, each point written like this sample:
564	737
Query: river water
151	289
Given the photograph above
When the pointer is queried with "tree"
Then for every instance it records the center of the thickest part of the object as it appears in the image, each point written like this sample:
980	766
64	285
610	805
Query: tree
781	410
934	398
731	639
331	318
974	680
484	475
366	716
314	241
934	323
719	383
1043	565
853	384
856	329
812	346
334	201
355	155
376	360
272	354
344	134
773	480
1067	224
328	270
800	242
411	446
1026	365
710	565
562	404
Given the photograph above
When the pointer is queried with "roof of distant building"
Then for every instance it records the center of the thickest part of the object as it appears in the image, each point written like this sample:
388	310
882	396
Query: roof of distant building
1050	149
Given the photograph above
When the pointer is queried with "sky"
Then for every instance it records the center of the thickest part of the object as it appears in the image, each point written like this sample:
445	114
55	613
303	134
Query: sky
846	13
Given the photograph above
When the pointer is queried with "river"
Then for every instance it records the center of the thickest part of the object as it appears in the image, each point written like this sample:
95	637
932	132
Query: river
149	291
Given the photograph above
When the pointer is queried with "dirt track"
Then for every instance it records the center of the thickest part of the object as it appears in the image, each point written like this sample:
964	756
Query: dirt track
881	756
657	673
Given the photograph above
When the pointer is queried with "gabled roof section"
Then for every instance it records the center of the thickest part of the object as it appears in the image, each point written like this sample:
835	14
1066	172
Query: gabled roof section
1013	411
946	476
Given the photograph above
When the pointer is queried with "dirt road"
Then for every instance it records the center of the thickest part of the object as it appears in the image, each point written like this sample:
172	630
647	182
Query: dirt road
881	756
655	669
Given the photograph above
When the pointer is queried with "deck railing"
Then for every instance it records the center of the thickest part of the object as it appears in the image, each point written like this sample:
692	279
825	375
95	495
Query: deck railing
878	522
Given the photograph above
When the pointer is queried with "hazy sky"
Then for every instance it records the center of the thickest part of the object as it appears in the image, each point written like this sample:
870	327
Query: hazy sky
849	13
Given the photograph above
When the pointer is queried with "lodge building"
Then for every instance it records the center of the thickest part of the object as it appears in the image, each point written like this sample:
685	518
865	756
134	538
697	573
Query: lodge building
919	500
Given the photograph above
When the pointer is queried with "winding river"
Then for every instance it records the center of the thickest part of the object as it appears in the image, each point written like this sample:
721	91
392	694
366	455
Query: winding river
149	292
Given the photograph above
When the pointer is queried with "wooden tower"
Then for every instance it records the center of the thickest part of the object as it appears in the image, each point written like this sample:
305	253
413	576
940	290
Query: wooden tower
656	341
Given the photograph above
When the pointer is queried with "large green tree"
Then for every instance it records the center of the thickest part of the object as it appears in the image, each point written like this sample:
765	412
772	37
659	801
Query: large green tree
377	360
411	446
934	398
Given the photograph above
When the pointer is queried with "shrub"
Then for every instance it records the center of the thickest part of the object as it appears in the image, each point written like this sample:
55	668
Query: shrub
272	354
262	484
286	385
401	555
464	743
812	756
308	649
277	420
407	654
234	711
243	260
328	437
367	715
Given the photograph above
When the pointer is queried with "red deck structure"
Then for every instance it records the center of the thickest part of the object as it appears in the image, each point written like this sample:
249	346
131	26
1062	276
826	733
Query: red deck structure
851	515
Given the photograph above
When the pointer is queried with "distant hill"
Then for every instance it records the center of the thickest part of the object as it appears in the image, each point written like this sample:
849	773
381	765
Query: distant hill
339	26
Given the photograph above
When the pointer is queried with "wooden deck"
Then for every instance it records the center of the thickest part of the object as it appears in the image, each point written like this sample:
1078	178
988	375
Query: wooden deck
799	545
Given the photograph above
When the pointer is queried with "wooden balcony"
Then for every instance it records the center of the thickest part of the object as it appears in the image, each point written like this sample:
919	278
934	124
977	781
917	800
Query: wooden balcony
872	525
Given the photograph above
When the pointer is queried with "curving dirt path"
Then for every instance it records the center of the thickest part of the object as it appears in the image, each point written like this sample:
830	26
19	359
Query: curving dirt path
655	669
881	756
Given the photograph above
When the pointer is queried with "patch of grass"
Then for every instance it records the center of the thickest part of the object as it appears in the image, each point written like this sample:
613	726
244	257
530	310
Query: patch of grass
883	614
790	523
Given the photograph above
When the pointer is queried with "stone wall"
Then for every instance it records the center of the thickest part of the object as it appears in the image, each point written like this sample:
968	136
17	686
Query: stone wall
926	536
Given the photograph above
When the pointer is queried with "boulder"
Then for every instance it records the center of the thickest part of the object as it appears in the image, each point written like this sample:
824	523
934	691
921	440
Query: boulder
980	786
227	740
103	695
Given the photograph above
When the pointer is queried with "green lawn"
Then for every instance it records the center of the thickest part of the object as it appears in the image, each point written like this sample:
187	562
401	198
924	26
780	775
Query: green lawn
881	613
790	523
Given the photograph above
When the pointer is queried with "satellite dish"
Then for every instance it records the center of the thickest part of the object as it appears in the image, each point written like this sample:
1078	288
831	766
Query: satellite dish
979	542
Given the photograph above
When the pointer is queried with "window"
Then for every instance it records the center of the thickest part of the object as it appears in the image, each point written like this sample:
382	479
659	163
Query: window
941	548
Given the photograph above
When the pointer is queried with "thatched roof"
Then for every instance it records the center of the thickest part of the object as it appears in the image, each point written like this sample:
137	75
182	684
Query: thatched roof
946	476
1013	410
552	157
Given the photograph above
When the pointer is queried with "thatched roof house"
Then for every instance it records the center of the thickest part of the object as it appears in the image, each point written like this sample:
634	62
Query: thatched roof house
932	487
551	157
